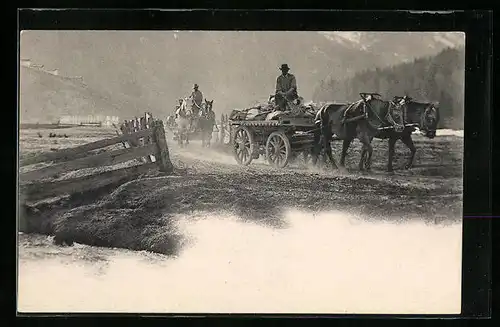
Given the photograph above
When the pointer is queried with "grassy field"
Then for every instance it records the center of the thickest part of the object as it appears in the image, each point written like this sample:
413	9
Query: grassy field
137	215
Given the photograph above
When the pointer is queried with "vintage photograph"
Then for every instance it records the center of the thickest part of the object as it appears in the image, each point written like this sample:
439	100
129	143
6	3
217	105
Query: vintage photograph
240	171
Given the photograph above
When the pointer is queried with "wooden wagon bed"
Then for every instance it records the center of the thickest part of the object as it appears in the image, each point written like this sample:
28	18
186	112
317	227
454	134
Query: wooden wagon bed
277	140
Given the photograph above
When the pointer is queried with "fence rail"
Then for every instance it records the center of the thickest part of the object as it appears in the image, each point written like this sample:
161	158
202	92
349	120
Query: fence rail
67	154
39	191
147	142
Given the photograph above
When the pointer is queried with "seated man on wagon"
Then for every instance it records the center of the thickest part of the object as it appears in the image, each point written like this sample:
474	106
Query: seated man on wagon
286	88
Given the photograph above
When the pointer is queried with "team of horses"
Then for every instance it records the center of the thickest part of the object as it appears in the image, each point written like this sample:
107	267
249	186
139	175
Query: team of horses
188	121
373	117
368	118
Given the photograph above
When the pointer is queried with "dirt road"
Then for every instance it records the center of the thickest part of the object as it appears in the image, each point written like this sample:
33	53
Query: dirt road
138	215
404	194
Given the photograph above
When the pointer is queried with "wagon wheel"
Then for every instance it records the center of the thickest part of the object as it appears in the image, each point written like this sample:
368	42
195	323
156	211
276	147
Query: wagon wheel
278	149
243	145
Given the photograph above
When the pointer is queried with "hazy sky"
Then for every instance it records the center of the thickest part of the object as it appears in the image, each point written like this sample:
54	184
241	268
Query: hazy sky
236	69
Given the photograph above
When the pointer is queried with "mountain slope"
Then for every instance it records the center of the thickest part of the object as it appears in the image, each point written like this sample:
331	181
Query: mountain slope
436	78
394	47
154	68
43	98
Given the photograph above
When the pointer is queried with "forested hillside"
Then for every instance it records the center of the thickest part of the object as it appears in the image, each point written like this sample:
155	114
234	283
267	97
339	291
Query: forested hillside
437	78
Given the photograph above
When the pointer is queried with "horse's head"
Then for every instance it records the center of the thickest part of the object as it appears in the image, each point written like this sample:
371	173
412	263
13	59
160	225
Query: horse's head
183	109
429	120
208	105
426	115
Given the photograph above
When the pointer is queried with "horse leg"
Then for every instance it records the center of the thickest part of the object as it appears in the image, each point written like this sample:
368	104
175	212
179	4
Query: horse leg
316	149
369	150
328	150
306	156
318	156
314	157
209	136
179	137
203	132
362	159
365	152
392	143
407	140
345	146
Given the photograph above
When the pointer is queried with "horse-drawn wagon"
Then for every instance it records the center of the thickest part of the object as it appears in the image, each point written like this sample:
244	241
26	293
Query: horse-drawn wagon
187	125
277	136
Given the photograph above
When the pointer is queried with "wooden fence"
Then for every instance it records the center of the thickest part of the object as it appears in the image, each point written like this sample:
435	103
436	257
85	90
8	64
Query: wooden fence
153	145
135	125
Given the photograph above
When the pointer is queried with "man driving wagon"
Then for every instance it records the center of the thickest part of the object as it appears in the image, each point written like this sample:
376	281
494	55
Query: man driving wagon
197	100
196	106
286	88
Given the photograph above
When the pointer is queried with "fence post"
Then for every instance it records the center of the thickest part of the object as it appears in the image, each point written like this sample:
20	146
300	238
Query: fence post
132	129
162	155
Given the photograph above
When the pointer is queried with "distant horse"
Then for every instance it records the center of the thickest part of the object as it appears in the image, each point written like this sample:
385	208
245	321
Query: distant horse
371	117
171	121
206	123
183	118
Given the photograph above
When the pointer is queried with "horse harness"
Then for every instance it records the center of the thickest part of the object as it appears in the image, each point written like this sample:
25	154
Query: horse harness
365	97
396	115
354	105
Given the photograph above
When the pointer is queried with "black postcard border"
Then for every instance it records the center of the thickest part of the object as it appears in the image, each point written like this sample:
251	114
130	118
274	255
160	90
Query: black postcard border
476	273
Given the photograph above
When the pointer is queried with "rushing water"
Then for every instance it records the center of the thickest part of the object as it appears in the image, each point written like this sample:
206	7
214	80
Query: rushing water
328	263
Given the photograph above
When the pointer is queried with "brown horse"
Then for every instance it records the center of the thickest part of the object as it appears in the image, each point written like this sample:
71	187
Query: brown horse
206	123
371	117
422	115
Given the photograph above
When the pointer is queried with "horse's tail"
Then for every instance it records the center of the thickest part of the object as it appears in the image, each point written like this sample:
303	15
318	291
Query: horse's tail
319	117
324	121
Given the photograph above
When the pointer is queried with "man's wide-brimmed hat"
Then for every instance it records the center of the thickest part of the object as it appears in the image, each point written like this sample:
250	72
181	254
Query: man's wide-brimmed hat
284	67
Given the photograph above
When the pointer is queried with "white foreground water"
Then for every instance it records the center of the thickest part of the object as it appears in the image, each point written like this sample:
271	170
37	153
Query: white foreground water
450	132
447	132
328	263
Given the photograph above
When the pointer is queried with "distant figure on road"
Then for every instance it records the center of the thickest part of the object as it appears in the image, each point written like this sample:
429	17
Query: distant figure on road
177	107
197	100
286	88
